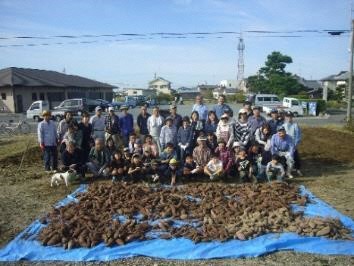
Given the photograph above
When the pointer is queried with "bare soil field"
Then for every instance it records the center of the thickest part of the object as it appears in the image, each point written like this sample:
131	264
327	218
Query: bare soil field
327	164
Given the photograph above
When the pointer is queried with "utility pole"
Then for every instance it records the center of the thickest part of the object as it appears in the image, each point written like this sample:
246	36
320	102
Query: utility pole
350	82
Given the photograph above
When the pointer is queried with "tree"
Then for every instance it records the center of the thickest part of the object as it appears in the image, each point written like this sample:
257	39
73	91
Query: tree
272	78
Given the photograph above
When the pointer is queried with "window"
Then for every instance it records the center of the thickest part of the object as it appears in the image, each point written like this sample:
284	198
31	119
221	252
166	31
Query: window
267	99
35	106
294	102
41	96
275	99
260	99
3	96
34	96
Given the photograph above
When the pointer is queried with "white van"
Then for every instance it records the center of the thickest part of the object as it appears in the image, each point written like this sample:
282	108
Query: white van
266	100
289	104
36	109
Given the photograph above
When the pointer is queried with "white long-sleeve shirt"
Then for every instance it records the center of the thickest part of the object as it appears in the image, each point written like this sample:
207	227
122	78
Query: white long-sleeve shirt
154	125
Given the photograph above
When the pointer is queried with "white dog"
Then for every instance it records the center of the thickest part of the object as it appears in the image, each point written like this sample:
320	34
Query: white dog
67	177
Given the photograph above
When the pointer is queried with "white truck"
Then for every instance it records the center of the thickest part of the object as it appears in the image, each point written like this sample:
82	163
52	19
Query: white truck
36	109
289	104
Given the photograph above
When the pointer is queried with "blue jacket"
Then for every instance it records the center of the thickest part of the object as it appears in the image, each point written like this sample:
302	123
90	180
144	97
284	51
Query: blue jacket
220	109
278	144
202	111
274	125
293	130
126	123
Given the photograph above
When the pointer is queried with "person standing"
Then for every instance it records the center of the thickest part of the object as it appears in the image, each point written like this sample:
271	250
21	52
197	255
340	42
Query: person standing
98	124
176	118
274	123
294	131
241	130
141	121
86	132
63	125
154	124
113	127
168	133
201	108
255	121
126	123
222	107
47	138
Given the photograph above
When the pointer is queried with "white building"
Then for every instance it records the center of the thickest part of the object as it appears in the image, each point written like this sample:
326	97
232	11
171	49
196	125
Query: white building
140	92
239	85
161	85
333	81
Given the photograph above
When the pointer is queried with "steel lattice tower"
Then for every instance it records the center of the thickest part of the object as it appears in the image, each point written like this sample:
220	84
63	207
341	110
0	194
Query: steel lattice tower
240	63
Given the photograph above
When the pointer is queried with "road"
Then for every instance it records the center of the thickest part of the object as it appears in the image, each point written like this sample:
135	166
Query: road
334	117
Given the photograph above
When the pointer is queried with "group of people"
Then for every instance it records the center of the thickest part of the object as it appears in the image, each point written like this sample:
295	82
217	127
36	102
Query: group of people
213	144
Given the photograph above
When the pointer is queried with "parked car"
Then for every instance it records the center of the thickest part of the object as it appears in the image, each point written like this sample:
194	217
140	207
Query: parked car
36	109
289	104
75	106
266	100
104	104
129	101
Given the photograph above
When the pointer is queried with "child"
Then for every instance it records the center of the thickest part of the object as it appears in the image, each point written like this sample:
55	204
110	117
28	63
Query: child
255	157
167	155
117	166
71	135
275	169
153	172
151	146
132	141
214	168
138	148
168	133
224	155
211	141
190	168
243	165
136	169
172	171
127	157
111	147
184	137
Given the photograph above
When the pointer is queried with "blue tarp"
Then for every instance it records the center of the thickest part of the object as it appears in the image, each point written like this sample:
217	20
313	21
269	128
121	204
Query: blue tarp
181	248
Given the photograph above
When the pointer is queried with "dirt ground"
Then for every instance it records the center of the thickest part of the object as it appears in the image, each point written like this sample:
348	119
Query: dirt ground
327	164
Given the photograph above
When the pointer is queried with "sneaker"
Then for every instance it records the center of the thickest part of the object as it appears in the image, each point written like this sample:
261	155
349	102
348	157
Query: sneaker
290	176
114	178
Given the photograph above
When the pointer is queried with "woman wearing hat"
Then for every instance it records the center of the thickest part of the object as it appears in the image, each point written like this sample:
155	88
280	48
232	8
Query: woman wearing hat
241	130
225	131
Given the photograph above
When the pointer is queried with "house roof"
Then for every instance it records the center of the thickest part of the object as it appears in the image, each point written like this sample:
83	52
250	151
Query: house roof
310	84
159	78
343	75
27	77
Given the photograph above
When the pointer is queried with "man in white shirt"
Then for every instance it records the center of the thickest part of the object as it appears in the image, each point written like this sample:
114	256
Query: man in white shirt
154	125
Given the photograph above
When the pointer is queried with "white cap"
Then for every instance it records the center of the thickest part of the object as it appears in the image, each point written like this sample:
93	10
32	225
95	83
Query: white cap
111	108
242	110
236	144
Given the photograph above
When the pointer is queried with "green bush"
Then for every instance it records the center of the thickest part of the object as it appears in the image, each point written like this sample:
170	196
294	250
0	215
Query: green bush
165	97
335	104
238	98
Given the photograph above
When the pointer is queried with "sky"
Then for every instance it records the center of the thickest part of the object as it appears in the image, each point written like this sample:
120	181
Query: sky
185	62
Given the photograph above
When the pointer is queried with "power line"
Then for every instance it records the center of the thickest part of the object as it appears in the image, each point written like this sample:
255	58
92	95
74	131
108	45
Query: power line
191	35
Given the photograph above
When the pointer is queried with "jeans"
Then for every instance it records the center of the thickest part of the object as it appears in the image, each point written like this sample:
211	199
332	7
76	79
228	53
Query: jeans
97	170
50	157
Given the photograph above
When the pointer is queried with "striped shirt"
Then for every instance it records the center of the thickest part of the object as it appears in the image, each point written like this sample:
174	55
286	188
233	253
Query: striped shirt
241	132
